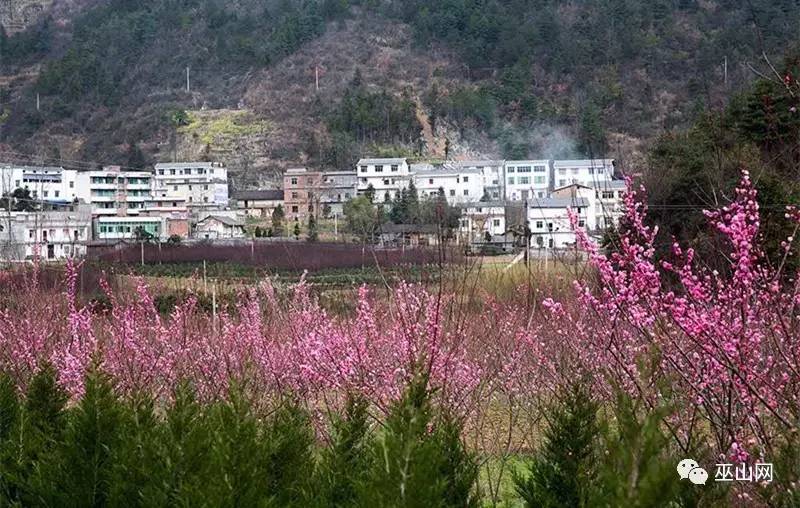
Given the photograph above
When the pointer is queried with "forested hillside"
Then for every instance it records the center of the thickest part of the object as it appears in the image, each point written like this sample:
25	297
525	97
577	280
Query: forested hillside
506	78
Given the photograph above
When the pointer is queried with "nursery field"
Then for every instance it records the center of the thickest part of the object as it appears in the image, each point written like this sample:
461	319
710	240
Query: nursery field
475	385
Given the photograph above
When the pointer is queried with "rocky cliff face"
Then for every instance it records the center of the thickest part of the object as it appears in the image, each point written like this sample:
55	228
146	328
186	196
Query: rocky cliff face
15	15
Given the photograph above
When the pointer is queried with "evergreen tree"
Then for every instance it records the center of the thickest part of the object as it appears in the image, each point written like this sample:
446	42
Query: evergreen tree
134	157
370	193
278	218
313	234
296	230
422	459
563	471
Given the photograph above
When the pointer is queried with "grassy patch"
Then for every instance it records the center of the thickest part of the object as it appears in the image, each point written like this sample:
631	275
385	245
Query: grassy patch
222	126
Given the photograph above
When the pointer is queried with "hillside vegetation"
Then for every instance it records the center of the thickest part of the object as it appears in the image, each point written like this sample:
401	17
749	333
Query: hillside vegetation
507	78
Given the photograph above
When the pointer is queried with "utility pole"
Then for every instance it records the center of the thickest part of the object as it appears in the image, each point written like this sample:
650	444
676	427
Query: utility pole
316	76
188	87
527	232
38	102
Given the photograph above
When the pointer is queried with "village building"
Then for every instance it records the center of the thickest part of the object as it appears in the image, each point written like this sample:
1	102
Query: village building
459	185
214	227
258	203
549	223
527	179
493	177
301	193
337	188
112	191
115	228
386	177
197	184
589	172
52	185
52	235
482	218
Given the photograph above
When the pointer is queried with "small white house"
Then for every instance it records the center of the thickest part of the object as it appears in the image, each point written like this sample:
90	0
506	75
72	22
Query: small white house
549	222
482	217
217	226
605	203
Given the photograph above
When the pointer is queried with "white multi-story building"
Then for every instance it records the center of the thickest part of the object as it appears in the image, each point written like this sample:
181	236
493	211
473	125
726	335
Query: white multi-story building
549	221
52	235
386	176
589	172
526	179
197	184
458	185
46	184
112	191
493	175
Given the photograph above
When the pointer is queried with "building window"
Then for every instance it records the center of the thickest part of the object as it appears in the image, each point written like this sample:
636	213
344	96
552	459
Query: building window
608	194
294	181
510	180
539	169
174	204
581	223
394	168
379	169
294	195
386	182
466	192
71	185
31	233
466	179
44	193
524	180
430	181
363	169
550	226
496	223
16	184
205	187
539	224
205	199
510	170
171	171
524	169
562	183
294	209
562	171
160	171
538	179
175	188
190	187
452	192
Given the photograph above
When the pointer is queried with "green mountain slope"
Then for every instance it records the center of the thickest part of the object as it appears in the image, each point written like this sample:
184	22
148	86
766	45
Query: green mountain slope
494	77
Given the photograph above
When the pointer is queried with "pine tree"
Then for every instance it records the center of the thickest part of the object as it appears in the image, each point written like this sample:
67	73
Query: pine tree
370	193
313	234
562	472
278	217
296	230
420	458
